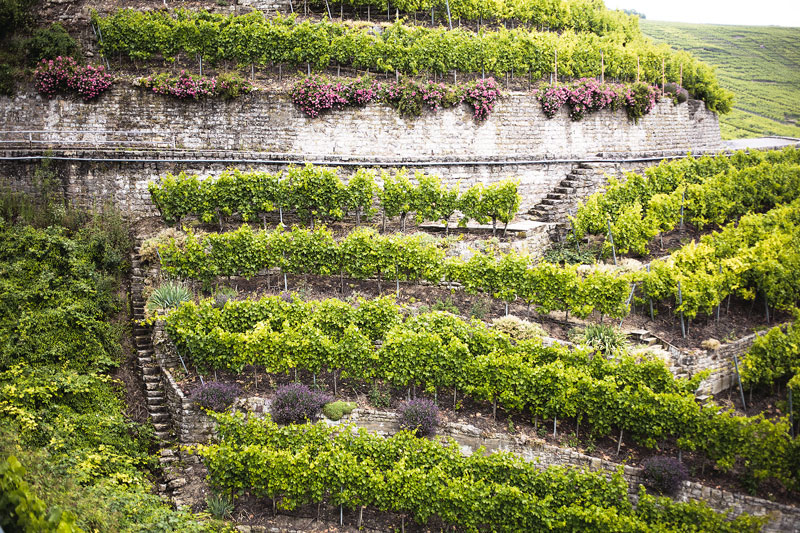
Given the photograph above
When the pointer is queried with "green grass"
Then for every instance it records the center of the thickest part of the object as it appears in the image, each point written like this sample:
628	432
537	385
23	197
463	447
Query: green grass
760	64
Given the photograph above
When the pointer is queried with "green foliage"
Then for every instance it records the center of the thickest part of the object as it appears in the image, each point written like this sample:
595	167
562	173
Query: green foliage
760	64
316	193
21	510
436	351
60	411
168	296
409	50
49	43
606	339
220	506
432	480
773	357
8	84
518	329
712	191
336	410
756	256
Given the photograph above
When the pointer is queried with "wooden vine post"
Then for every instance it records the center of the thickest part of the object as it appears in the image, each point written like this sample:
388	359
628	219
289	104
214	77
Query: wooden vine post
663	73
602	68
680	304
637	69
739	380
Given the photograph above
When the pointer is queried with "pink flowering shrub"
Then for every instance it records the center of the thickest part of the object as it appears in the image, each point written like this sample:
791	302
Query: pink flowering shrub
64	75
588	95
481	96
186	86
316	94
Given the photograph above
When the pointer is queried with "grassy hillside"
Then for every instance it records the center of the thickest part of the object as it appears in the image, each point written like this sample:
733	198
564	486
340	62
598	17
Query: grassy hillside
760	64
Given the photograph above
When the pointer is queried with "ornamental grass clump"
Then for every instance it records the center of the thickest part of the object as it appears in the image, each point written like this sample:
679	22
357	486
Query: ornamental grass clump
168	296
215	395
295	403
664	475
420	416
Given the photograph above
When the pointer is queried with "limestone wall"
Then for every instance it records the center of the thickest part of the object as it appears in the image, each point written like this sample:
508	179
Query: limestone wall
269	122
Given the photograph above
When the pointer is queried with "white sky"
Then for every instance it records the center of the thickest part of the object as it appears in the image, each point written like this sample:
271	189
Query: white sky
739	12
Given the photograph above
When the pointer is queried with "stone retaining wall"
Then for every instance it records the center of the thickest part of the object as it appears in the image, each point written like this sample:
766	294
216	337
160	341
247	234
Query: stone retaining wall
270	122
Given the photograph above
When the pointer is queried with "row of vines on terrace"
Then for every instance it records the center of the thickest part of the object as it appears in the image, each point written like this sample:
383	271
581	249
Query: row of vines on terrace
317	193
431	480
438	351
399	49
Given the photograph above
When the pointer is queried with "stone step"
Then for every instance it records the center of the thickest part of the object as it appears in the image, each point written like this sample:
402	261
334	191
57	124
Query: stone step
160	417
150	371
555	196
549	201
161	426
163	435
155	401
650	341
151	378
565	190
145	359
153	386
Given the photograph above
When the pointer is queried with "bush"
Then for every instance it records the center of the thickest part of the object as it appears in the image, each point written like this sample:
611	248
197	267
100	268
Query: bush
419	416
664	474
185	86
336	410
678	94
295	403
168	296
222	295
8	85
64	75
216	396
50	43
517	328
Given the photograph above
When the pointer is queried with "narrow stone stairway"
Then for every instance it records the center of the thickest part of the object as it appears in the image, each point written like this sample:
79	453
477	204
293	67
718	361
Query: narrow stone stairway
151	376
583	179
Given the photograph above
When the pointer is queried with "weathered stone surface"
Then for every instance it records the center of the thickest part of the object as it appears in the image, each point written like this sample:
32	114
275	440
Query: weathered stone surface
265	131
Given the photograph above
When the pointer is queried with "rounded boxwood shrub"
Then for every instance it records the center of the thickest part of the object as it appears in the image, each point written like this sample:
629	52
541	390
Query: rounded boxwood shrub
664	474
419	416
215	396
295	403
336	410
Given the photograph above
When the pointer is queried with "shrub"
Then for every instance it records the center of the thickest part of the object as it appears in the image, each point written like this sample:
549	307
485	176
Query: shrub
316	94
148	251
182	87
678	94
50	43
230	86
379	397
336	410
216	396
168	296
64	75
8	85
517	328
664	474
223	294
420	416
640	100
295	403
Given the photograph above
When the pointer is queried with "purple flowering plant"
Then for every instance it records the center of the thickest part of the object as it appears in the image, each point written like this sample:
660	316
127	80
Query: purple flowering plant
588	95
317	94
64	75
186	86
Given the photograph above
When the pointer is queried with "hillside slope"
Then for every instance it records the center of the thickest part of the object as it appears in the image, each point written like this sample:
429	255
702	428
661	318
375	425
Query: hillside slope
760	64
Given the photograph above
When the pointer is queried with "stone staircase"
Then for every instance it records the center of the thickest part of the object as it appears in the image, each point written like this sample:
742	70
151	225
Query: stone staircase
151	374
577	185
